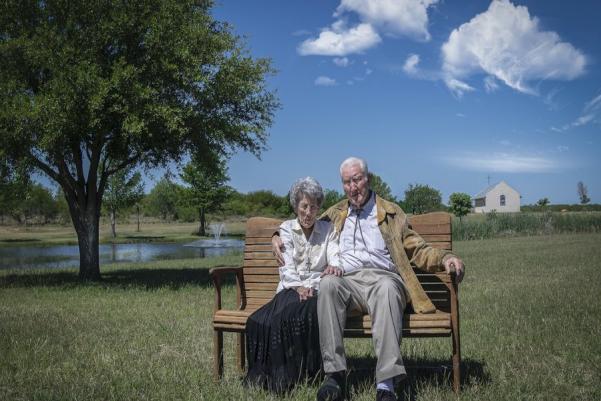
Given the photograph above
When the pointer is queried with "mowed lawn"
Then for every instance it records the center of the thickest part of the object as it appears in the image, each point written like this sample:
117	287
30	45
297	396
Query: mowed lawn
530	327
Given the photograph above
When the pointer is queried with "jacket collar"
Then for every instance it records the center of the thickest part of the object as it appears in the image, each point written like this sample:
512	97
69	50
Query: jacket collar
383	208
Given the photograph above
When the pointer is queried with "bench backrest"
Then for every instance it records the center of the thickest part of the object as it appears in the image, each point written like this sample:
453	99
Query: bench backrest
261	275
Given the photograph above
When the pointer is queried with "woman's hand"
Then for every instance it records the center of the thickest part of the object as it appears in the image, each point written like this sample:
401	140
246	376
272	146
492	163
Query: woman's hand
304	293
335	271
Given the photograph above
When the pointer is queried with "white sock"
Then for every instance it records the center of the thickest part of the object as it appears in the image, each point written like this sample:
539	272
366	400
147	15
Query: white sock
386	385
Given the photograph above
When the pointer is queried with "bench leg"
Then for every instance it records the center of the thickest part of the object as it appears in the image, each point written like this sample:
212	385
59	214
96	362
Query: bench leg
456	363
241	357
217	354
455	338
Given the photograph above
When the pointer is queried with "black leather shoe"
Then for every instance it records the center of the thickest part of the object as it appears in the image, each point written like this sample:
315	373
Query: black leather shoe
385	395
332	388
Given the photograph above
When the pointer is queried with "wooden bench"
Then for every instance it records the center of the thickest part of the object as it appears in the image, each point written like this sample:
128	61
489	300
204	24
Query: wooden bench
257	279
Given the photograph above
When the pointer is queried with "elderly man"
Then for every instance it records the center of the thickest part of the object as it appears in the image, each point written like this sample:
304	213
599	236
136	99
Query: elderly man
377	251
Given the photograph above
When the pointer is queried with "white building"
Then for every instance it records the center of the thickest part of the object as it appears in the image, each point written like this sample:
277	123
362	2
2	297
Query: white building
499	197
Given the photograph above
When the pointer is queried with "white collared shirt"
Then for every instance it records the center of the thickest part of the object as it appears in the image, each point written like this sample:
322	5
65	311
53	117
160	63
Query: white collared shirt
304	260
361	241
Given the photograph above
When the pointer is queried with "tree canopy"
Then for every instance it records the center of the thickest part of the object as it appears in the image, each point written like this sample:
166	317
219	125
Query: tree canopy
123	190
379	186
460	204
90	88
206	188
421	199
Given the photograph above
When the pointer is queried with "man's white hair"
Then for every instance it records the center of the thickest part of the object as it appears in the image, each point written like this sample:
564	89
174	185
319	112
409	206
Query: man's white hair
354	161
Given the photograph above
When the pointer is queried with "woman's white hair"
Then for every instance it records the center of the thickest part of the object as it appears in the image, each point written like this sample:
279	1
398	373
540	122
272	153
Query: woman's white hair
354	161
308	187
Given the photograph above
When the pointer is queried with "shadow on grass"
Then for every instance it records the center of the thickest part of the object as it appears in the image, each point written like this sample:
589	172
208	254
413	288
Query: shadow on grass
139	278
419	373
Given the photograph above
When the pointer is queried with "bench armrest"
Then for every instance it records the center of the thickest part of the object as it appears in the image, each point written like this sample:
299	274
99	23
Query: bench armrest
217	274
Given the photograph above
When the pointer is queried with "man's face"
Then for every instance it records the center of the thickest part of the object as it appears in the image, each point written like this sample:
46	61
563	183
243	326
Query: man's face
356	185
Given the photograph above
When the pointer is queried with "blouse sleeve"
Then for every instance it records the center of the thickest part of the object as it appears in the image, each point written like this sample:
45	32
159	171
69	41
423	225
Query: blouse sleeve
289	277
333	248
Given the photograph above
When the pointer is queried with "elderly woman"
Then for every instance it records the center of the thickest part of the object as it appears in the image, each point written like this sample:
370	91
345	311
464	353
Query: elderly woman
282	336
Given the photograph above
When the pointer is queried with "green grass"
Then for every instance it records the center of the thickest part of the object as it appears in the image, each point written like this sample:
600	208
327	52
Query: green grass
530	321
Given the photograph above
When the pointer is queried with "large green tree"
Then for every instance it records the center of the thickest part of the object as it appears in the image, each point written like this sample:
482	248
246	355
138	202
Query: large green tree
163	199
88	88
206	188
422	199
123	190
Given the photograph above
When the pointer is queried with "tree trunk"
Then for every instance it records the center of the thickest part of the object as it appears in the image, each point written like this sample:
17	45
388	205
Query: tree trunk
201	229
113	224
87	228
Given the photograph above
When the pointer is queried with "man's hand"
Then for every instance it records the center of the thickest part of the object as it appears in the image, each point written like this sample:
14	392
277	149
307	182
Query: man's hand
304	293
277	247
454	264
335	271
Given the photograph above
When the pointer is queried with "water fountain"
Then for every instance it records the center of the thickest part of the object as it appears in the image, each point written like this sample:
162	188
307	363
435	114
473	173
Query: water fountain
217	229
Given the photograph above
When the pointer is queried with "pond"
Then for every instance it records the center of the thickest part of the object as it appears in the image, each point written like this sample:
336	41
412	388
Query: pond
61	256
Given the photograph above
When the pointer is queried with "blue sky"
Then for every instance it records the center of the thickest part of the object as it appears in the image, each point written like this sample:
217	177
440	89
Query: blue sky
443	93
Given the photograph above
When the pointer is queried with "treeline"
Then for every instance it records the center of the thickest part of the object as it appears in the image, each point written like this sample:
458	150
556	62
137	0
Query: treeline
32	203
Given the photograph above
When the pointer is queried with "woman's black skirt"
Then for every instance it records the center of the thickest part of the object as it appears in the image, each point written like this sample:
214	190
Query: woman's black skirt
282	342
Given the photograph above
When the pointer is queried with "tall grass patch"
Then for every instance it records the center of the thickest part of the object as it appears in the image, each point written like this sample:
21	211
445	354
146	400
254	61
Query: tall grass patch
494	225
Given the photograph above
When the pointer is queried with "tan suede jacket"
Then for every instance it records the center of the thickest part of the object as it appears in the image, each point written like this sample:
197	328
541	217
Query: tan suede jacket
406	247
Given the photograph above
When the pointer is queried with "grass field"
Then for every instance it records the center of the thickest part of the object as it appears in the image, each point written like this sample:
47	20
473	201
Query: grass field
530	326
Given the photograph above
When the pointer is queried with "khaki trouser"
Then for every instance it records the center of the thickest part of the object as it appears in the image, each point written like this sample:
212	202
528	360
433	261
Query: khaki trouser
382	295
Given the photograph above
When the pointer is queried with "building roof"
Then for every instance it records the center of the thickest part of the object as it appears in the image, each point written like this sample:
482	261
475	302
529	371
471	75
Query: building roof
482	194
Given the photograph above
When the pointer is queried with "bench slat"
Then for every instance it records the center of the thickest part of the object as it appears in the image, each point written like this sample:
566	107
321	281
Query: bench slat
258	255
261	278
259	247
261	263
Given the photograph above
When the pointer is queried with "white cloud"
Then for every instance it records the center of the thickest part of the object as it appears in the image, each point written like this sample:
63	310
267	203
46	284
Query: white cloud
562	148
410	66
591	114
460	115
324	81
490	84
594	104
368	71
506	43
394	17
341	61
504	163
340	41
458	87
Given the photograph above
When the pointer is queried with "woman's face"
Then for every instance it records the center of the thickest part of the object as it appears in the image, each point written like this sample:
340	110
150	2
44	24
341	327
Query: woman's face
307	211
